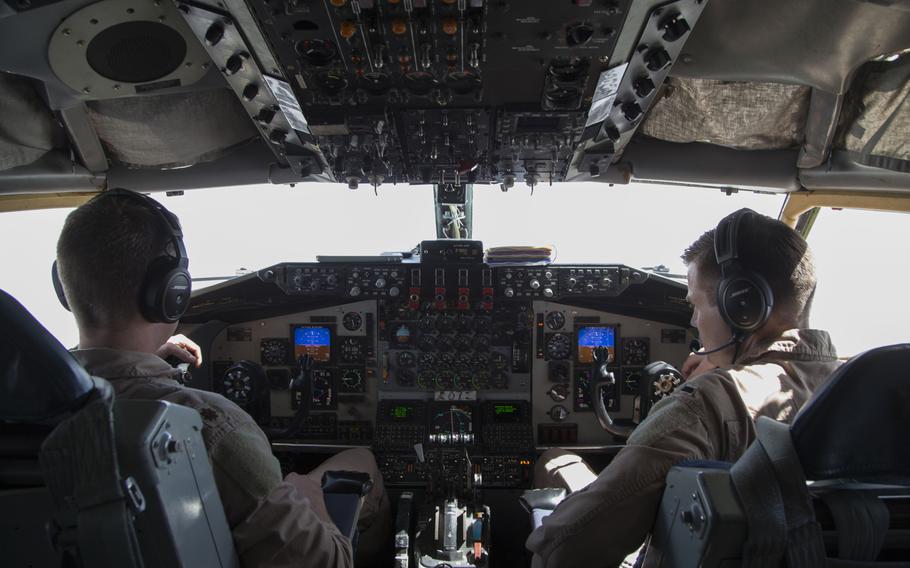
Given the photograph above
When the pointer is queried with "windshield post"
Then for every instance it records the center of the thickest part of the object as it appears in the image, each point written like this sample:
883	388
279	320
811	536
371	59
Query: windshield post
453	203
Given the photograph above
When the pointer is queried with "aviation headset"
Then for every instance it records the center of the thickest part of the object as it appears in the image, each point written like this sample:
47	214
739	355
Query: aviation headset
744	297
165	292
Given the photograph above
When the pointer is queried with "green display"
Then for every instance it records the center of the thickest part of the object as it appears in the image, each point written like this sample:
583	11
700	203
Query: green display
501	409
402	412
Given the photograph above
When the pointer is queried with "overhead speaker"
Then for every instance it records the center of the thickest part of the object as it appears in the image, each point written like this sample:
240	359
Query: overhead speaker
118	48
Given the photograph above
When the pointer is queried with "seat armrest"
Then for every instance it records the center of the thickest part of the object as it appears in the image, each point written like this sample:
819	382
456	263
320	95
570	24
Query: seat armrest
343	492
539	503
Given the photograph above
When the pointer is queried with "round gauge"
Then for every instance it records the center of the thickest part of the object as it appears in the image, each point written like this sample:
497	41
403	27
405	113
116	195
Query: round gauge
463	343
425	379
237	384
352	380
559	346
630	381
498	361
352	321
481	361
446	359
352	350
420	83
481	342
462	380
427	323
445	379
559	371
445	324
274	351
405	378
500	380
445	343
316	52
376	83
635	351
426	342
464	361
426	361
465	323
483	324
556	320
406	359
480	380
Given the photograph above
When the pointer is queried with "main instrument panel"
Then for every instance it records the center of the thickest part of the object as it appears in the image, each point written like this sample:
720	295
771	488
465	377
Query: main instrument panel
463	367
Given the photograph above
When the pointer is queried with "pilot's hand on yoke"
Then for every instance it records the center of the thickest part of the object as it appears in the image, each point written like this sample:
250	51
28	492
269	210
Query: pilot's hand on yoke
181	348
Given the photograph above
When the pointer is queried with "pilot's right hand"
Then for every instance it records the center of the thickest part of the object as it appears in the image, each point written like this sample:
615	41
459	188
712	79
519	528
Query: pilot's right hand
183	349
696	364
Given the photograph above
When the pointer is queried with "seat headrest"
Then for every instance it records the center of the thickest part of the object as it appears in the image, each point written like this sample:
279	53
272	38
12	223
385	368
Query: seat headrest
39	379
857	424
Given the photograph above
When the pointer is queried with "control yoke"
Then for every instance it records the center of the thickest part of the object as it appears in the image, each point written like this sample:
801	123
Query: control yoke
601	379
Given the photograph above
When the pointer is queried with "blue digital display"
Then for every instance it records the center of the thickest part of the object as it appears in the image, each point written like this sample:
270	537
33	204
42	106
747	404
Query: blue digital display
591	337
313	341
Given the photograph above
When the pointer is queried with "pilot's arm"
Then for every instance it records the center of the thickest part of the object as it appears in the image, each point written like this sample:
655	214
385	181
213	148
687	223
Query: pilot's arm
609	519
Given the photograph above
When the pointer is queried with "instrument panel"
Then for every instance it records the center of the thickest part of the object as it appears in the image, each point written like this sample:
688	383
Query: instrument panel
477	365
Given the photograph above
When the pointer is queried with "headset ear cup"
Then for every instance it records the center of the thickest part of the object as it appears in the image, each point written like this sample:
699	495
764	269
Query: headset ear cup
744	300
58	287
166	292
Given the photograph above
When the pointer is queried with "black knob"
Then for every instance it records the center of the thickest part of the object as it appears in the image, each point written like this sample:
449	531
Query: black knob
643	86
214	34
250	91
675	28
266	115
579	34
657	59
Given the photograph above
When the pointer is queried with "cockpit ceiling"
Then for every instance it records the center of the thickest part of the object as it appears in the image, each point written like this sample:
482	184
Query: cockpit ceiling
774	94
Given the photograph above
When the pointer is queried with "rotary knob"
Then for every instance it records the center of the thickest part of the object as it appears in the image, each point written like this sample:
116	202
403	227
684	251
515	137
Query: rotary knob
572	282
393	291
380	283
508	292
331	280
589	287
535	284
355	290
548	275
559	413
548	292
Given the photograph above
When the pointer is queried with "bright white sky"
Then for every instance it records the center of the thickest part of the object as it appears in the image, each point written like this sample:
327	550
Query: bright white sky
861	256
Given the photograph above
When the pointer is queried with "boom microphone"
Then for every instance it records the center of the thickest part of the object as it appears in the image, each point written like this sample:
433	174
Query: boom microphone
697	343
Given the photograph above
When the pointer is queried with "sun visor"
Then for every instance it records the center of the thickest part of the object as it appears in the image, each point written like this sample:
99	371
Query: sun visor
876	131
748	116
27	128
173	130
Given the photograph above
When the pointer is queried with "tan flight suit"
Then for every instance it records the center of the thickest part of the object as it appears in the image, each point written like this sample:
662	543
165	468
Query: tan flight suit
274	522
710	417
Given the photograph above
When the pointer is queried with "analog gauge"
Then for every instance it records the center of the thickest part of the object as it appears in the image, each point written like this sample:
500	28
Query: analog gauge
426	361
445	379
237	384
464	361
403	336
447	359
498	361
481	361
274	351
405	377
481	342
559	392
630	381
483	324
352	381
352	321
463	343
636	351
426	379
465	323
445	343
462	380
406	359
559	346
323	390
427	323
480	380
445	324
352	350
556	320
426	342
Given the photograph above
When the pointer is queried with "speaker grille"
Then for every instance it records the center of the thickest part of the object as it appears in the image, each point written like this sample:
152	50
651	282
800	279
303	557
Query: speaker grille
136	52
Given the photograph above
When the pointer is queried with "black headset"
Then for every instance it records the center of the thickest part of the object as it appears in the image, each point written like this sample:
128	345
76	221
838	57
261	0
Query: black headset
744	297
165	293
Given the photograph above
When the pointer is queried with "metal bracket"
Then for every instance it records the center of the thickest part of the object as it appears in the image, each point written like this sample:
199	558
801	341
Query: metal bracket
626	92
454	210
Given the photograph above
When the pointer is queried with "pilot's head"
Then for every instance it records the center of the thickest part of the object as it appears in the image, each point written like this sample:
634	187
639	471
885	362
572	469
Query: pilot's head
112	252
767	250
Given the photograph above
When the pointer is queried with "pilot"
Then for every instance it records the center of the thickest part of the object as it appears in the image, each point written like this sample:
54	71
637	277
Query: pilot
109	250
766	366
